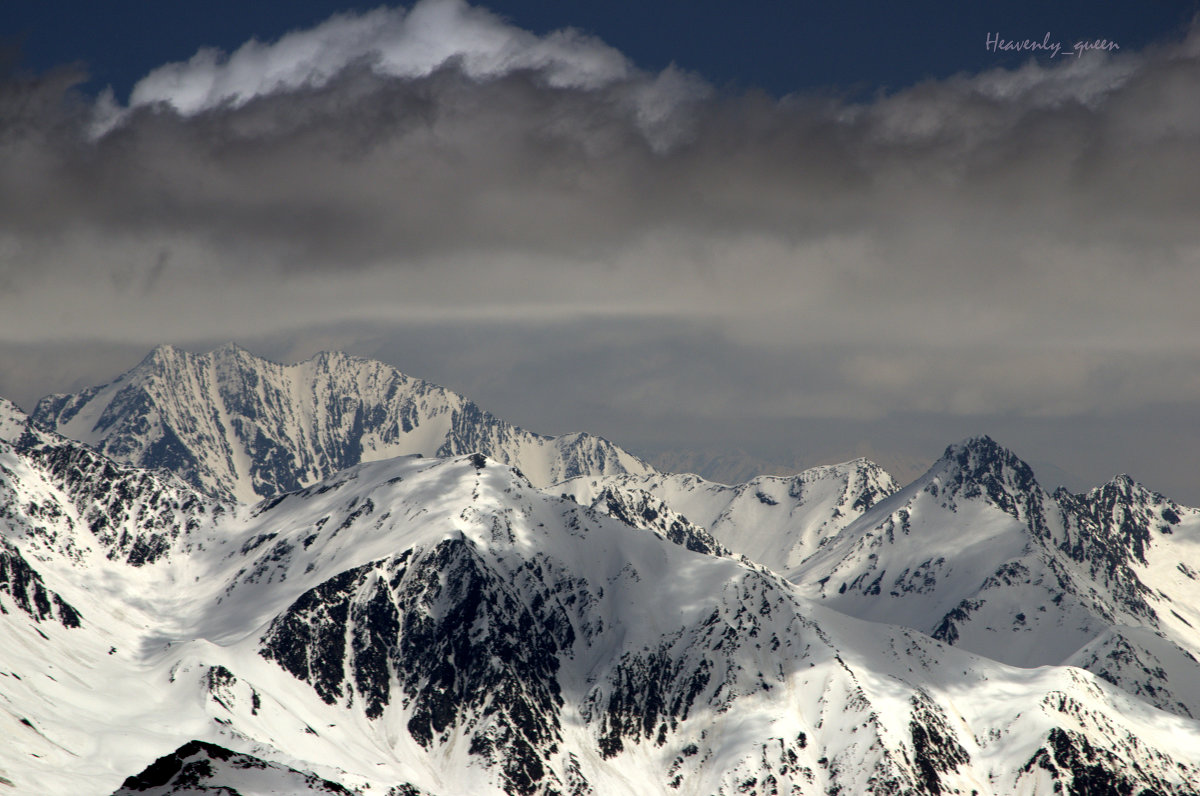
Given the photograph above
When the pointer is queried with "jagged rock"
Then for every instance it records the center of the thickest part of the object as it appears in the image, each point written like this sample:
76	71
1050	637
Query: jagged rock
26	591
198	767
241	427
978	555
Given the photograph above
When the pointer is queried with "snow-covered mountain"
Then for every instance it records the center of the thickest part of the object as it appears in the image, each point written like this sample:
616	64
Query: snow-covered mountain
443	627
242	427
776	521
974	553
433	627
978	555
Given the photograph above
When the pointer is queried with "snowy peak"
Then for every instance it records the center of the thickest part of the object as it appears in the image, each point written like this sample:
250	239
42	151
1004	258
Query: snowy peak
979	474
976	554
981	458
1126	511
864	483
239	426
1114	523
639	508
980	467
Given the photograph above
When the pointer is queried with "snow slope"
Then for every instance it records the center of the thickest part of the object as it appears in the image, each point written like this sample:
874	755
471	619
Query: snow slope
445	626
12	420
775	521
241	427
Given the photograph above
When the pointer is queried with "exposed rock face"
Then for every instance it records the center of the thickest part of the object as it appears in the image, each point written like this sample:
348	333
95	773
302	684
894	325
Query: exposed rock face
445	634
199	767
24	589
241	427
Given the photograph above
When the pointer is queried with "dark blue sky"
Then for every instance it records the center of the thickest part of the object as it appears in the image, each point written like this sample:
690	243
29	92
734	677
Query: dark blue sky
778	45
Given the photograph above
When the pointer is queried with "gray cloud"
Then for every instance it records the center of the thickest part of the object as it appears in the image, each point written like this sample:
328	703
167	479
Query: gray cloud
1014	244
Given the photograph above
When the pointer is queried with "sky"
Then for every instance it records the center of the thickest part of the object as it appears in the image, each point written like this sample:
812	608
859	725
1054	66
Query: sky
774	234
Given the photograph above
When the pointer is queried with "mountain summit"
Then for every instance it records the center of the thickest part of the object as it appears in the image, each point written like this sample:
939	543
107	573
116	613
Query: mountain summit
238	426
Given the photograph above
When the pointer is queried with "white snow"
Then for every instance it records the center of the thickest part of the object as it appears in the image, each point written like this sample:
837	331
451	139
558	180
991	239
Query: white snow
784	666
12	420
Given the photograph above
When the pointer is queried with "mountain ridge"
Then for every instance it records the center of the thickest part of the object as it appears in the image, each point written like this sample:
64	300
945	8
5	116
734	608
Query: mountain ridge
240	426
978	555
974	553
776	521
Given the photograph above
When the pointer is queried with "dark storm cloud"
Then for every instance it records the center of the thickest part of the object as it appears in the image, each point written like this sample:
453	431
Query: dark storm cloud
370	169
1039	178
1013	243
360	170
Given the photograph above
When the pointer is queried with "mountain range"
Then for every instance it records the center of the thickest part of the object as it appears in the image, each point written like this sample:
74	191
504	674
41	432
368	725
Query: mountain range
224	575
237	426
974	553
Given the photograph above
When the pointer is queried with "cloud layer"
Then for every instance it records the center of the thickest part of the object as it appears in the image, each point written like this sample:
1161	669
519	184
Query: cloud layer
391	43
1015	243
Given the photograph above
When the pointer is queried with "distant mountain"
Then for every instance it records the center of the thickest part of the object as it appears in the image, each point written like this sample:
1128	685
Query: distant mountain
238	426
729	466
443	627
719	466
776	521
